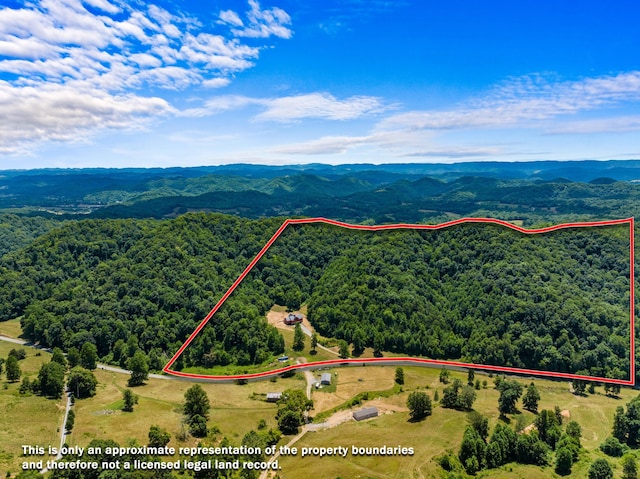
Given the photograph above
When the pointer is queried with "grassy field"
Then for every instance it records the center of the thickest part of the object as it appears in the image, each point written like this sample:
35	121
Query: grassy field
26	420
233	410
237	409
11	328
443	431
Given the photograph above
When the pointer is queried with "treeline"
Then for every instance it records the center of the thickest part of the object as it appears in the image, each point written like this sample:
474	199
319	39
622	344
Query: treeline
490	295
130	285
478	292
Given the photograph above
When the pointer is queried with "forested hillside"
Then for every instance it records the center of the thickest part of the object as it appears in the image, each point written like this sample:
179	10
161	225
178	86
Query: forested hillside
481	293
127	285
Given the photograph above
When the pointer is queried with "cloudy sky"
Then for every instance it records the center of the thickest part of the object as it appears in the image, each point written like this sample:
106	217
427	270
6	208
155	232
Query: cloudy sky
120	83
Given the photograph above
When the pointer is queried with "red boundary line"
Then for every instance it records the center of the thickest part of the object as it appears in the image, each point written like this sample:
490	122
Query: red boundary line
418	361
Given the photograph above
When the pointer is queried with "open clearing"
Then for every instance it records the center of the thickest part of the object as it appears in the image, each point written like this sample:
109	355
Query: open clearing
26	420
443	430
11	328
233	411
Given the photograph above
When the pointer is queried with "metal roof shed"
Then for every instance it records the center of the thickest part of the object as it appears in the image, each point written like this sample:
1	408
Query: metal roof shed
365	413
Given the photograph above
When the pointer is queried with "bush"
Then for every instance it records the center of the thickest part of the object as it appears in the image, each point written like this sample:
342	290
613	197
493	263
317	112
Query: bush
613	447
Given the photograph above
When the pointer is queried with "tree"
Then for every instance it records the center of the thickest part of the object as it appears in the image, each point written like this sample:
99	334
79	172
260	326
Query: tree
139	367
466	398
444	376
19	353
620	425
600	469
292	407
198	426
196	403
73	357
564	461
531	398
51	380
82	382
510	392
531	450
470	376
480	423
399	376
343	349
129	399
579	387
314	342
289	420
450	395
547	426
472	451
71	419
298	338
613	447
89	356
629	467
419	405
58	357
574	430
158	437
13	369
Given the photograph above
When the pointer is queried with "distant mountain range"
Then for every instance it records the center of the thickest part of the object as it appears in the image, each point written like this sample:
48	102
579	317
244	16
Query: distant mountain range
411	192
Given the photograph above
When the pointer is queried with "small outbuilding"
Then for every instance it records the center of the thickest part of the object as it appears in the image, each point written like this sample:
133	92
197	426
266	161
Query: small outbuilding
365	413
325	379
274	397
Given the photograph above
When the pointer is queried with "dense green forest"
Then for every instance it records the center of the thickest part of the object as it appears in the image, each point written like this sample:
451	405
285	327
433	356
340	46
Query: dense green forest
127	285
481	293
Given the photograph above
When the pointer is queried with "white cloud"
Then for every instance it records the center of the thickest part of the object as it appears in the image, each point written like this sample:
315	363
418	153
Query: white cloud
456	152
318	105
328	145
527	99
109	51
260	23
621	124
62	113
103	5
216	82
230	17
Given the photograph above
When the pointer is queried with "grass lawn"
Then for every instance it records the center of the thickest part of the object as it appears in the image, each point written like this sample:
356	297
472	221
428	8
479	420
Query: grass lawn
26	420
233	410
443	430
11	328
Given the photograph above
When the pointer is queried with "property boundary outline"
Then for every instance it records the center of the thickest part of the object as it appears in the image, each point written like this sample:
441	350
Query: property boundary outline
410	360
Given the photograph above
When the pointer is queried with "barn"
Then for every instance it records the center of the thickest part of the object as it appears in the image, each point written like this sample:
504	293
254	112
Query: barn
325	379
274	397
365	413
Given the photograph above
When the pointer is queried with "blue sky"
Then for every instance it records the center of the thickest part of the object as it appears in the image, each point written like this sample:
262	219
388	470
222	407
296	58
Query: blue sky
116	83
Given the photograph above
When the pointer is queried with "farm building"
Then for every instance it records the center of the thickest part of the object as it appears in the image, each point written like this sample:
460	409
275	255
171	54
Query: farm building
274	397
293	319
365	413
325	379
